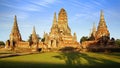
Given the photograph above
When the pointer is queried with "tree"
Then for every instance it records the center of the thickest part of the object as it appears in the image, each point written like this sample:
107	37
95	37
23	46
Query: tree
117	42
112	41
30	38
43	39
84	38
91	37
2	43
39	38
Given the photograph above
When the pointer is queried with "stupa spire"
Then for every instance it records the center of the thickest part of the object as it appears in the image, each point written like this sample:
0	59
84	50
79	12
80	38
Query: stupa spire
15	34
55	19
102	27
34	32
93	31
94	28
34	35
15	25
101	14
63	22
102	22
54	28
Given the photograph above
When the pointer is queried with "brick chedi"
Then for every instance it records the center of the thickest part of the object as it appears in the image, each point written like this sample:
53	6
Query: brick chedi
35	40
63	23
15	36
15	40
93	34
102	28
34	36
54	28
99	36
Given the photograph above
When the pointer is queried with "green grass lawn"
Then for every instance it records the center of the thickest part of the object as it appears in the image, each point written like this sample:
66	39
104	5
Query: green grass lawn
62	60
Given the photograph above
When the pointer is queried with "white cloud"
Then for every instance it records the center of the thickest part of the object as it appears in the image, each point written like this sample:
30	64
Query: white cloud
97	3
22	8
30	5
43	3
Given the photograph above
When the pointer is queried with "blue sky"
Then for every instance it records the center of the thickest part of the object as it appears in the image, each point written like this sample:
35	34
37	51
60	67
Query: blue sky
39	13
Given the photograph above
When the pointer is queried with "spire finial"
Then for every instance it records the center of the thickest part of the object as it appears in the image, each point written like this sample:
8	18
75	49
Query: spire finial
102	15
34	36
55	19
94	27
15	25
34	32
15	18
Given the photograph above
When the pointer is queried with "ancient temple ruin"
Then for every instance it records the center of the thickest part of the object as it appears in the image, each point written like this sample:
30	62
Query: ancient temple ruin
60	34
98	34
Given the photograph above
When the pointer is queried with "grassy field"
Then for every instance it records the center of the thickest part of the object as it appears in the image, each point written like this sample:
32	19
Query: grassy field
62	60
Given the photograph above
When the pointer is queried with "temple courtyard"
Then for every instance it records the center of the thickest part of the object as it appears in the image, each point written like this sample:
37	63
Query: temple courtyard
60	60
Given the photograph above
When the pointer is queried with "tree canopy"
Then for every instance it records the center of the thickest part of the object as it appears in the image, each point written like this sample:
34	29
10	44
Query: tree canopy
2	43
84	38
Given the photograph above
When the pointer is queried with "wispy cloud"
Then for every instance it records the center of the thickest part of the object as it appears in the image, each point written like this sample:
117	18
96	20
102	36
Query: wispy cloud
27	5
88	10
89	5
22	8
80	4
43	3
97	3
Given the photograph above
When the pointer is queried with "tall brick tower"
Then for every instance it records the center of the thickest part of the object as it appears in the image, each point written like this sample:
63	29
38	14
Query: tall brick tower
63	23
15	36
102	28
34	36
54	28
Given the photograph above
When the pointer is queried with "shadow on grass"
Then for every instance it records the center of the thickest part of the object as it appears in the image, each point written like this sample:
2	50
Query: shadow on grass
12	64
84	60
114	54
71	59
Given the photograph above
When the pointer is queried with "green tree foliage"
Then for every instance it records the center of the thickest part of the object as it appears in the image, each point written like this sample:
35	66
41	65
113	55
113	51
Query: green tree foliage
43	39
84	38
39	38
117	42
30	38
91	37
112	41
2	43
